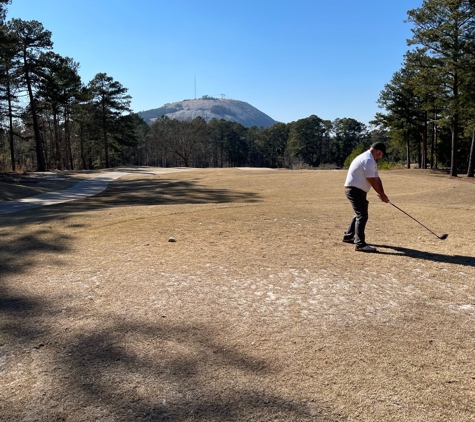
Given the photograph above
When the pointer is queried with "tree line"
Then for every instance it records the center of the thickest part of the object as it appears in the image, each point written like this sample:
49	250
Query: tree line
49	118
430	102
308	142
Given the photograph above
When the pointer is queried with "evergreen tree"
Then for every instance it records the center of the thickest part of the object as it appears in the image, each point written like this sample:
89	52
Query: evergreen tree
403	110
306	138
446	30
32	40
9	87
236	146
272	143
110	101
3	10
58	89
218	131
348	133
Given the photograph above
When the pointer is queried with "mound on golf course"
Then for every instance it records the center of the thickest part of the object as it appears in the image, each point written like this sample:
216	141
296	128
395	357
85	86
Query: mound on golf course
257	312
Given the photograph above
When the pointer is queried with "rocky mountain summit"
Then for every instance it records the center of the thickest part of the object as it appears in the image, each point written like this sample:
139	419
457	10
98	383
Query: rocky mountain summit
209	108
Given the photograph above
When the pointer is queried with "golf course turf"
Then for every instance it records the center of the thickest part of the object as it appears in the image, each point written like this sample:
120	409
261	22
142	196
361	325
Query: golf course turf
257	312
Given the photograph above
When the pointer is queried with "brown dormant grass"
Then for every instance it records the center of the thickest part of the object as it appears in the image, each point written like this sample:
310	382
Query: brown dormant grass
258	311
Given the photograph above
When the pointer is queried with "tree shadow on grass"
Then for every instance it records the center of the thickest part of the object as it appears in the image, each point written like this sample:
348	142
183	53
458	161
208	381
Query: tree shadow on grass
17	252
15	314
162	371
166	192
429	256
128	193
175	372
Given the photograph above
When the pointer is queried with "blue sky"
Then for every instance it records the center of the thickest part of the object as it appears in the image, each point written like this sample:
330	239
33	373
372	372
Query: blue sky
293	59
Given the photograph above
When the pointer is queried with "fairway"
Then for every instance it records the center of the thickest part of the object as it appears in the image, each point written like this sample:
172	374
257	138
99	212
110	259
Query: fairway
258	311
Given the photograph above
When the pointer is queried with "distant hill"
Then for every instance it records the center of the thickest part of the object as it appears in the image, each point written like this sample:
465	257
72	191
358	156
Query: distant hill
209	108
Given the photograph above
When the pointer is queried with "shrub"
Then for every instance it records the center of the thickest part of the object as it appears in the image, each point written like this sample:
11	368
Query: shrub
357	151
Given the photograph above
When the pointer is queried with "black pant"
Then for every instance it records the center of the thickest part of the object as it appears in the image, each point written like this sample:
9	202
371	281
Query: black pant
356	228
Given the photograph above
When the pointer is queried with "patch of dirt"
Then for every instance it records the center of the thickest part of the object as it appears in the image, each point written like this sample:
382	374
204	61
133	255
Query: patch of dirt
258	311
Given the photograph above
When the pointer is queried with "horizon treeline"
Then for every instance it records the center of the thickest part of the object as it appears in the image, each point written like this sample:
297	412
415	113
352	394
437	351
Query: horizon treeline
309	142
51	120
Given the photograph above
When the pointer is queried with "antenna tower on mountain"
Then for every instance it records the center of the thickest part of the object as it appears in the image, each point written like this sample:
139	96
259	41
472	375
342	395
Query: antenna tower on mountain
223	96
195	87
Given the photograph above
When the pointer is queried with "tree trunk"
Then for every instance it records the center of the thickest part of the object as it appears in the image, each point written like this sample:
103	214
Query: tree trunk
104	137
67	139
81	148
471	162
57	142
10	129
40	159
408	153
433	151
424	144
106	148
453	155
455	128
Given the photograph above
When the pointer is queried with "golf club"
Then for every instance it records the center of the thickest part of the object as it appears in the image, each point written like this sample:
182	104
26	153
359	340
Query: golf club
441	237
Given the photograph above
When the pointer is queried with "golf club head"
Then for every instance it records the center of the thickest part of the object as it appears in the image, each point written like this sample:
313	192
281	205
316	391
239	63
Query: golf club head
443	236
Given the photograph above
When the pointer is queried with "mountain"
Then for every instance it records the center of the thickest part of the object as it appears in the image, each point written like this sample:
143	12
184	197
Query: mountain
209	108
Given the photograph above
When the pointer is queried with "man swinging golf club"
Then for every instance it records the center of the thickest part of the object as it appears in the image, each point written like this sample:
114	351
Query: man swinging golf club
362	176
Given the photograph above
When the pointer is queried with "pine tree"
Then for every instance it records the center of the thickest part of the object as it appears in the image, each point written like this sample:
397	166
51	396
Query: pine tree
446	29
110	101
32	40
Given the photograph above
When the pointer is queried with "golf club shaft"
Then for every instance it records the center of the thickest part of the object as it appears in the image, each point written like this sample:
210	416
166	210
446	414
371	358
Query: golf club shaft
414	219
